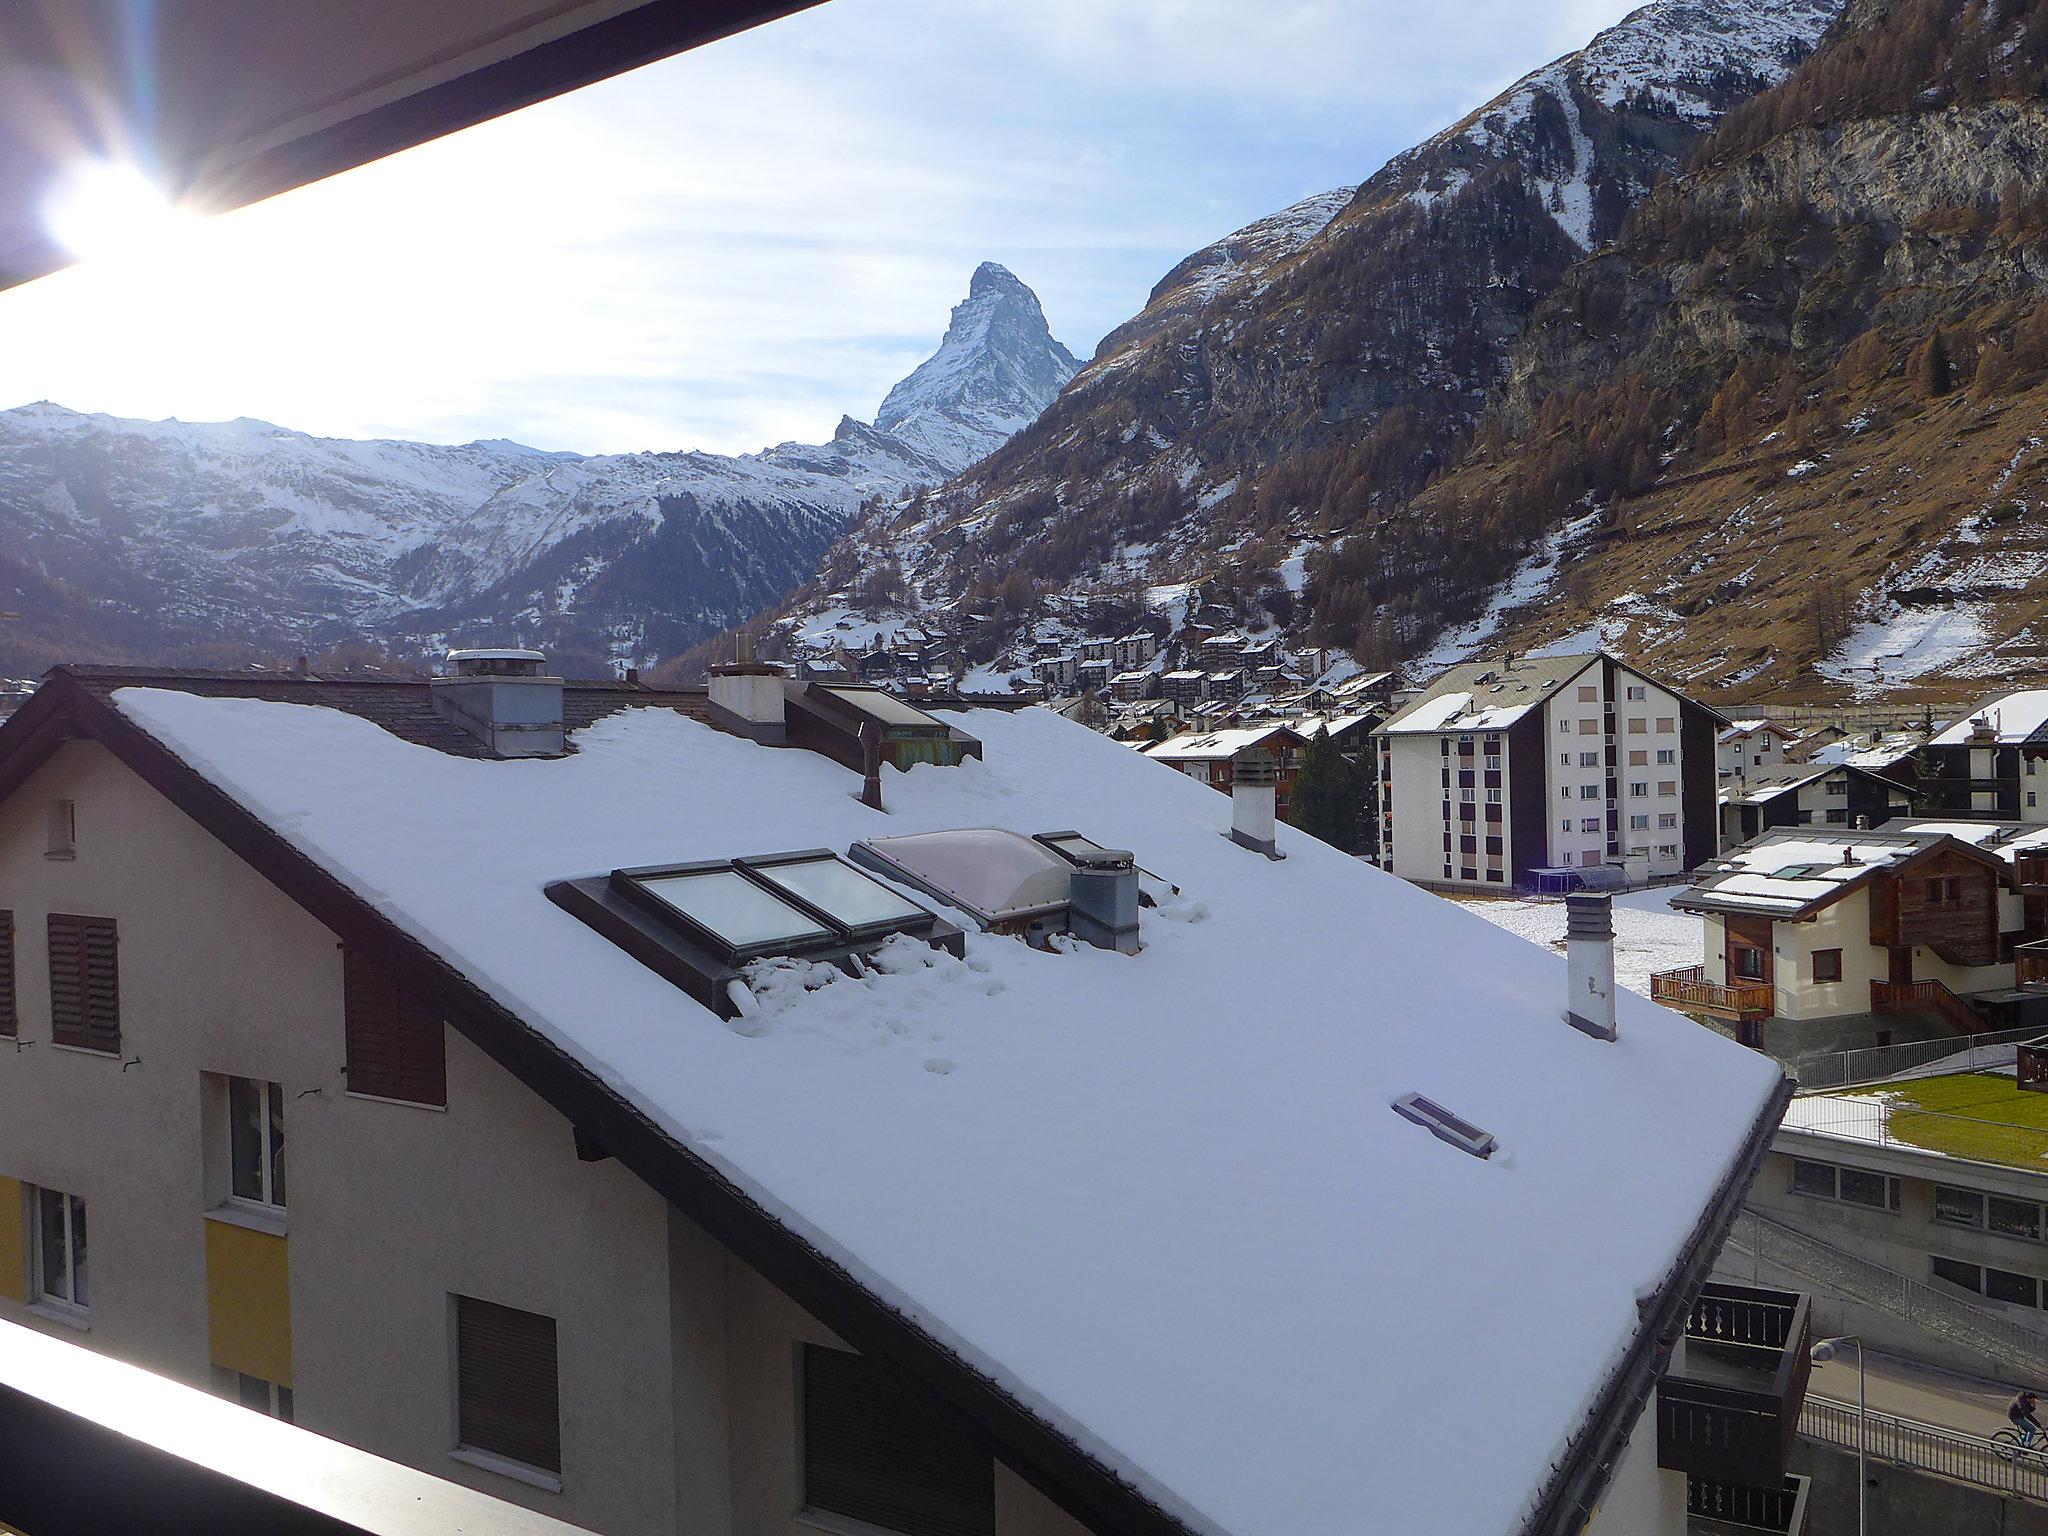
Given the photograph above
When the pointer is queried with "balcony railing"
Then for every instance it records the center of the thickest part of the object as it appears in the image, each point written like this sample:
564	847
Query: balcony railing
1689	989
2030	963
1933	997
1728	1411
1712	1508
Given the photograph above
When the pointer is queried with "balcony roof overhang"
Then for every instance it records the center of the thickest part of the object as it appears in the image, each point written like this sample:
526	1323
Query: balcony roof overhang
226	102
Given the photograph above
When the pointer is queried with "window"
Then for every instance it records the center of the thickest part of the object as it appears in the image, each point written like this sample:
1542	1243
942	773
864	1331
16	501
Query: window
2015	1218
1492	763
1589	791
1968	1276
1564	727
1943	889
1589	727
1958	1207
1667	818
1565	793
1639	850
507	1398
63	826
1465	794
9	1023
256	1142
1638	823
1637	725
1564	759
266	1397
1667	850
1639	759
1666	724
1639	787
85	991
59	1266
1638	693
875	1451
1853	1186
1827	965
396	1049
1667	786
1493	797
1590	824
2016	1289
1667	755
1565	825
1813	1179
1589	759
1589	695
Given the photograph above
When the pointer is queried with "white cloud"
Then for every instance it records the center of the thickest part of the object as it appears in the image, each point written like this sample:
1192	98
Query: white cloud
733	247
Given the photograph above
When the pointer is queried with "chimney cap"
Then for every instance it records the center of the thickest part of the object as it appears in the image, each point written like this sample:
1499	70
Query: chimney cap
496	661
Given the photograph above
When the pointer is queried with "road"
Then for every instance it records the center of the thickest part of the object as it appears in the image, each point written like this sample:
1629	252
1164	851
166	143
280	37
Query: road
1912	1391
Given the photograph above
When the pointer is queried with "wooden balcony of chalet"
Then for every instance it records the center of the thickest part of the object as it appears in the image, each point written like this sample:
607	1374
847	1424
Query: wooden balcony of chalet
1728	1410
1729	1509
1690	990
2030	964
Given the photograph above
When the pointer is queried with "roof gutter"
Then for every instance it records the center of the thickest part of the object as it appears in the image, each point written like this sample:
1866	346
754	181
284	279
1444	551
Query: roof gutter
1575	1490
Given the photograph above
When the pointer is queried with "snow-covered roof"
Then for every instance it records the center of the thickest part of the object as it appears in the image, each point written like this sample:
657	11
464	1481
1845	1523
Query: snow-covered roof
1792	871
1739	730
1182	1228
1882	752
1205	746
1487	696
1769	783
2015	718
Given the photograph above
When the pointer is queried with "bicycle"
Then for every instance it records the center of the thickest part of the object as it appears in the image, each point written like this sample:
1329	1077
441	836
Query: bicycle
2010	1443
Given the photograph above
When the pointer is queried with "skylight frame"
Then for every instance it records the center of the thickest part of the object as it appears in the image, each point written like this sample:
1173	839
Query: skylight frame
1447	1125
1146	877
757	867
632	885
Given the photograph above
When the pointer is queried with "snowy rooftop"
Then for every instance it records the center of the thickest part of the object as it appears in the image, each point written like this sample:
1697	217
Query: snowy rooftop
1206	745
1739	729
2015	718
1182	1226
1792	870
1488	696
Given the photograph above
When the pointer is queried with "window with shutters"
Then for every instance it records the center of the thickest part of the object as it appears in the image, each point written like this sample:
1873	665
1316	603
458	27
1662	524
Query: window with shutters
85	983
8	1024
396	1049
507	1397
876	1451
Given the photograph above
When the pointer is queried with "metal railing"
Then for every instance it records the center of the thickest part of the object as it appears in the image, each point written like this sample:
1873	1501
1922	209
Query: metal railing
1876	1063
1891	1122
1839	1273
1926	1448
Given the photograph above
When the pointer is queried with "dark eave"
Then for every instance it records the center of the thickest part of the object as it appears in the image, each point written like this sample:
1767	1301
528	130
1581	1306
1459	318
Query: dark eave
66	708
1703	899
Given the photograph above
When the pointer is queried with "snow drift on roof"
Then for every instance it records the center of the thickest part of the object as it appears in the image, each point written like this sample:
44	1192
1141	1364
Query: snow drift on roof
1181	1224
2013	719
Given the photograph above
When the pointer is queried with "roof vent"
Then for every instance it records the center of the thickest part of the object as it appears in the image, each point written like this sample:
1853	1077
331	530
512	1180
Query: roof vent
501	697
1444	1125
745	696
1102	898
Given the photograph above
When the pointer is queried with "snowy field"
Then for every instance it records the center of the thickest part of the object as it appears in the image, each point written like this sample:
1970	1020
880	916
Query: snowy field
1648	935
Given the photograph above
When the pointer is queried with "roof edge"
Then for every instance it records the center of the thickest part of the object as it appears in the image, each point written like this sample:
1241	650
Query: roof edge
1575	1491
1050	1460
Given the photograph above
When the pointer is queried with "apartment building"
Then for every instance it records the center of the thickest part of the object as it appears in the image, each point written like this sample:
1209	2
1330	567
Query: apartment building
1994	761
617	1101
1516	772
1808	795
1745	748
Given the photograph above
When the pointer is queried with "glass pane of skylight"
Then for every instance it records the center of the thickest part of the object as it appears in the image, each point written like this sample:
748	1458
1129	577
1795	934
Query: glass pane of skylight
837	888
1074	842
988	871
733	907
885	707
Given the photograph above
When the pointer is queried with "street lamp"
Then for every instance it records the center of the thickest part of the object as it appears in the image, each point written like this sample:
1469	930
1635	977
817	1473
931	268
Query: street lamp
1824	1351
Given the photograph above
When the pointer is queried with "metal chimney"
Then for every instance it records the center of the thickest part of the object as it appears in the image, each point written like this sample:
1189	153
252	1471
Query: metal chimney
502	698
1102	899
746	696
1589	961
1253	786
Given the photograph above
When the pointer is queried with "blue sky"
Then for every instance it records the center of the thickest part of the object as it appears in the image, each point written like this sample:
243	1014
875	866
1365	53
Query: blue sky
733	247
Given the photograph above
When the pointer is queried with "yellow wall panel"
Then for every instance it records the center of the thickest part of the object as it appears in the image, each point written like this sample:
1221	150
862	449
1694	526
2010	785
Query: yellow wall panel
13	1242
248	1302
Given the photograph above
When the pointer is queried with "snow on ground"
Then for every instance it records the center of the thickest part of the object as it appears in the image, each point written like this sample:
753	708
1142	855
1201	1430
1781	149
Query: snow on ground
1648	935
1906	644
1529	582
1179	1223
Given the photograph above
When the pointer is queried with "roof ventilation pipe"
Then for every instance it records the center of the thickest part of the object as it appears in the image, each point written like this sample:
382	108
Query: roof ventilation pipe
746	696
1589	960
1253	787
502	699
1102	899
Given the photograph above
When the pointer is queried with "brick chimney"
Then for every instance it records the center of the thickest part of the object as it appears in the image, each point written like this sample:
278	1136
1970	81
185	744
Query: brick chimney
1589	962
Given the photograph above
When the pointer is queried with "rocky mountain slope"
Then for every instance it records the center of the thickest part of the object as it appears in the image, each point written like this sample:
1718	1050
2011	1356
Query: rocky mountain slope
167	539
1305	376
1787	431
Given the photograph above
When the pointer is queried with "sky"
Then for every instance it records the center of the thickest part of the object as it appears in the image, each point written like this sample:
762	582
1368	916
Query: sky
736	246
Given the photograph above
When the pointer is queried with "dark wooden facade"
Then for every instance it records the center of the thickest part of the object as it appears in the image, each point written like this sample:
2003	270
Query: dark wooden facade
1945	901
1749	933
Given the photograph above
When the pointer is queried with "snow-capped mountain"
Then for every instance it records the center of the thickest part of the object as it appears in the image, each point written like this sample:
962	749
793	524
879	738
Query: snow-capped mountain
1289	388
996	368
157	538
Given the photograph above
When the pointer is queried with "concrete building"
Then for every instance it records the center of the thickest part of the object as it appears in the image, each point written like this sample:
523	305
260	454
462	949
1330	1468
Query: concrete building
1511	773
1807	795
346	1081
1993	762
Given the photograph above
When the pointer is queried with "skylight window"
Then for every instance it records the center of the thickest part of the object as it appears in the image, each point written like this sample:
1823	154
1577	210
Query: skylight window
1796	872
999	878
1444	1125
1152	890
743	917
828	884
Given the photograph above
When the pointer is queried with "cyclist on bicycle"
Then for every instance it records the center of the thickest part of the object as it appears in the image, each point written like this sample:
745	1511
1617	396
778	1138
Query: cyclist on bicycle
2021	1411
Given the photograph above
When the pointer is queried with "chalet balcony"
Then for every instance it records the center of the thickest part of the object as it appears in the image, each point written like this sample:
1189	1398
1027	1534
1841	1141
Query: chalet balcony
2030	964
1728	1409
1689	989
1730	1509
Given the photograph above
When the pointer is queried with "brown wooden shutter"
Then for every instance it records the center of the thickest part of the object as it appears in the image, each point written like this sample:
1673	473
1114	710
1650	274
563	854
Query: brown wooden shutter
507	1393
85	982
396	1048
9	1022
878	1451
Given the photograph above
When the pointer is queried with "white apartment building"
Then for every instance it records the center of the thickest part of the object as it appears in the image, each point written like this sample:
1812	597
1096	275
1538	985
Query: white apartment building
1519	772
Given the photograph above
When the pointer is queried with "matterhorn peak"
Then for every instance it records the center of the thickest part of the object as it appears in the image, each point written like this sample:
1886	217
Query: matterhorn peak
996	369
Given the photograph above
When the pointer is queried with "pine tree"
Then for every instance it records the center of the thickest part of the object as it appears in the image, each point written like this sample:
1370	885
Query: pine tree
1936	371
1325	801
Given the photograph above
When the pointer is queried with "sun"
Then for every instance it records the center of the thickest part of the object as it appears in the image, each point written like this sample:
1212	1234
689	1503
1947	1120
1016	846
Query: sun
104	210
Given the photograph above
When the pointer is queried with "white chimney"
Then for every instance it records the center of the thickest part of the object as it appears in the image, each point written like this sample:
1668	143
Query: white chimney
501	697
746	696
1589	959
1254	774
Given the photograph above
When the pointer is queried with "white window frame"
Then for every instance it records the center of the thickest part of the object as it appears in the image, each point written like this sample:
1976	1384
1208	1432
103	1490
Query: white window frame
266	1159
65	1307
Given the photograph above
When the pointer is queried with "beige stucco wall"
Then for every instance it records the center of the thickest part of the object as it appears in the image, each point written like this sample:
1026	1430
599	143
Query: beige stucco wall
1641	1498
677	1362
1845	926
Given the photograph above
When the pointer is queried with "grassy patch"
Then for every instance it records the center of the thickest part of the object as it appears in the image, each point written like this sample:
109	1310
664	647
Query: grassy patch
1972	1114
